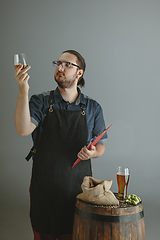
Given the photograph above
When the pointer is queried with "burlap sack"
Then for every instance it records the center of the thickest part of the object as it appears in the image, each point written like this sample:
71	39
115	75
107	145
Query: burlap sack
97	192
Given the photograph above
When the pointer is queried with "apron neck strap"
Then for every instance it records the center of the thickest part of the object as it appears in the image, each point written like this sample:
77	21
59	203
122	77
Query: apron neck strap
51	101
51	97
83	107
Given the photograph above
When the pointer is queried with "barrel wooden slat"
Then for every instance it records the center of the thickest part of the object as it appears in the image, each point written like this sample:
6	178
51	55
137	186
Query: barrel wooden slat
94	222
93	229
83	228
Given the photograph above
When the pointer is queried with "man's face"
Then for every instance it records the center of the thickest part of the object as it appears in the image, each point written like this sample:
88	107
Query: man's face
67	77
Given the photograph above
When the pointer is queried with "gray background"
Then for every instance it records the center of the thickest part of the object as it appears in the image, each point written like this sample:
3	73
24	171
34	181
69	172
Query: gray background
120	40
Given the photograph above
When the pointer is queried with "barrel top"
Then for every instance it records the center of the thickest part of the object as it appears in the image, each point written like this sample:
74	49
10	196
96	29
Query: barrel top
121	204
122	208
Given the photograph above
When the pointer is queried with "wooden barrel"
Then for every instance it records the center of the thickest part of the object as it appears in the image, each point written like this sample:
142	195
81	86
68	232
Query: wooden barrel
94	222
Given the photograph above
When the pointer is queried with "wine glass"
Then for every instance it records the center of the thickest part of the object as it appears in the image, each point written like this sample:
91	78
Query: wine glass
123	175
20	58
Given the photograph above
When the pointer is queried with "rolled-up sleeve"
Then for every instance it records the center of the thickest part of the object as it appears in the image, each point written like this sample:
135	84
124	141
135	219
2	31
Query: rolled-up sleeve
38	105
95	120
99	124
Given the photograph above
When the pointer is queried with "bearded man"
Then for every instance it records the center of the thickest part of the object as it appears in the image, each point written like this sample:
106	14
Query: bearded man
62	123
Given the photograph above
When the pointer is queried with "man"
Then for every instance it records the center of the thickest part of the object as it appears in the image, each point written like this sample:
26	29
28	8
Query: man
62	123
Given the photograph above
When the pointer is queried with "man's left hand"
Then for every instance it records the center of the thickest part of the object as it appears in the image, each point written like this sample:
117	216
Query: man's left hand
93	152
86	154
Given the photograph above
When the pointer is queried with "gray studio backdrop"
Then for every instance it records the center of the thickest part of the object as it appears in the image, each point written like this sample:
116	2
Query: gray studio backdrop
120	40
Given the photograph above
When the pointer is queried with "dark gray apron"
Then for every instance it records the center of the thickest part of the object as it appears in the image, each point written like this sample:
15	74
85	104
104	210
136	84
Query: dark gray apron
54	184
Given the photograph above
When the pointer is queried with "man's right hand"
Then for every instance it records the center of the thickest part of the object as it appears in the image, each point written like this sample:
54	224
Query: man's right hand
22	77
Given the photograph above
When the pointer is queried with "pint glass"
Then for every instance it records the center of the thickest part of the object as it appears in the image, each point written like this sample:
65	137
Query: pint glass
123	175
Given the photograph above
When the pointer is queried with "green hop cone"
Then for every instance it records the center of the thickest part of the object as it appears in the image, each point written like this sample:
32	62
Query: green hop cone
128	196
135	202
133	199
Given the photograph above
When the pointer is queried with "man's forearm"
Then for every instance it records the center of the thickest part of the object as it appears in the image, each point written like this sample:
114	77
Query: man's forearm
23	122
100	149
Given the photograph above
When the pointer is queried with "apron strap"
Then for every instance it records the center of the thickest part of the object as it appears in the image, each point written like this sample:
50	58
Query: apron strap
30	154
83	107
51	101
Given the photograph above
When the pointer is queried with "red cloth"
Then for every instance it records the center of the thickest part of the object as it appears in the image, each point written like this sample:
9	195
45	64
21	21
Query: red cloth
41	236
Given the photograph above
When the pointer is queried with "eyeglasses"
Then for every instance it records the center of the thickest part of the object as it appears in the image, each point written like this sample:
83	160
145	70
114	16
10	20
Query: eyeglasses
64	64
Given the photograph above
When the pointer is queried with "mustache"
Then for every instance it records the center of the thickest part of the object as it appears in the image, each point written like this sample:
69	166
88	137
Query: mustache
59	72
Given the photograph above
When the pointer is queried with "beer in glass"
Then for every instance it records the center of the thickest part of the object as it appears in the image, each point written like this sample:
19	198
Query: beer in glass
123	175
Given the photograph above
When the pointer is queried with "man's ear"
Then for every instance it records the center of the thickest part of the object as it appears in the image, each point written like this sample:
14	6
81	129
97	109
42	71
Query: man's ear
80	72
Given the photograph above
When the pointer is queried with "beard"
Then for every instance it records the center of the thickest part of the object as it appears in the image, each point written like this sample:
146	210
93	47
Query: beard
63	82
